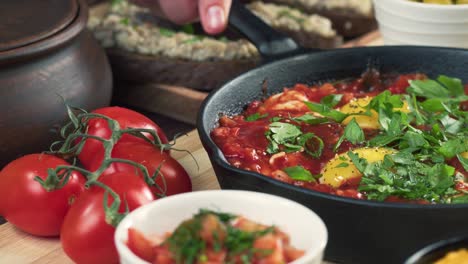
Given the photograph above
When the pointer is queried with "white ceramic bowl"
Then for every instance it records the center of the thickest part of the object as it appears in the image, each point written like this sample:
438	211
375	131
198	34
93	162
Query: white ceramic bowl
404	22
306	230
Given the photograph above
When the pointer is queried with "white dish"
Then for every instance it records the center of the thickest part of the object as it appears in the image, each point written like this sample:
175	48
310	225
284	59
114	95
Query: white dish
306	230
412	23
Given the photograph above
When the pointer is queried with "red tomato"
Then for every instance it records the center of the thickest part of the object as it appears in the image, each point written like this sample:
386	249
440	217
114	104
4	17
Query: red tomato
176	178
99	127
26	204
140	245
464	105
86	236
402	82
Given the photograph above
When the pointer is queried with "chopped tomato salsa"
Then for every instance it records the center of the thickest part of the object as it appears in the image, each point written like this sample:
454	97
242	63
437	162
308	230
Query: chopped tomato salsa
216	238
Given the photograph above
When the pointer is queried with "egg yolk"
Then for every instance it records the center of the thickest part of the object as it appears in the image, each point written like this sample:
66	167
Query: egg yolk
358	107
341	169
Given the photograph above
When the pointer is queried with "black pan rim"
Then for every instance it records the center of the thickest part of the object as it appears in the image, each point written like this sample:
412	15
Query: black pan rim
218	156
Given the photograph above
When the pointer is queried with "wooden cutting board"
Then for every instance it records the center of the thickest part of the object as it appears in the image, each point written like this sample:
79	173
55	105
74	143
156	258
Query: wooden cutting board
182	103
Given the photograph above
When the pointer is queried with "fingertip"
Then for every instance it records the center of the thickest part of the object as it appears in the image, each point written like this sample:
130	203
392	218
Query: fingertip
214	19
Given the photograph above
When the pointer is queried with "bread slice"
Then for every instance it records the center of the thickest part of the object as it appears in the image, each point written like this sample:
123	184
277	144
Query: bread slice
199	75
143	49
310	31
350	18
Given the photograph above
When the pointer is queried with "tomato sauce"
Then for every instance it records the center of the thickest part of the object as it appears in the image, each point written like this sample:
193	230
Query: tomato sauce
244	143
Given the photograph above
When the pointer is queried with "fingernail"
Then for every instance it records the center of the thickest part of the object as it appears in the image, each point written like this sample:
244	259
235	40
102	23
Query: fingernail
216	17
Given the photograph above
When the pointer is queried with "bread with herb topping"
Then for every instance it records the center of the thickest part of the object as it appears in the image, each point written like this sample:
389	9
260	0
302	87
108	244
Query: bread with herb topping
310	31
350	18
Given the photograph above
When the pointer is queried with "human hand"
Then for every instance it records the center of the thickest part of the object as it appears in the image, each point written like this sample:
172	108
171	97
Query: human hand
213	14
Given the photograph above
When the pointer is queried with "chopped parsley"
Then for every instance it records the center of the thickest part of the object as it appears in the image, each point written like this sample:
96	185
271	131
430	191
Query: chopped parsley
125	21
326	111
289	138
434	131
310	119
255	117
223	39
281	133
287	13
299	173
192	40
352	132
188	28
426	126
166	32
403	175
187	245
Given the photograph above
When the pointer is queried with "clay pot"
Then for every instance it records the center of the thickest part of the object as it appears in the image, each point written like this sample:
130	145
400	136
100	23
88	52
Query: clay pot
46	56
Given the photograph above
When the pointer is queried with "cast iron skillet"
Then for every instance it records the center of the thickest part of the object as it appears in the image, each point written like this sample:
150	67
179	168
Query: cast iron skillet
359	231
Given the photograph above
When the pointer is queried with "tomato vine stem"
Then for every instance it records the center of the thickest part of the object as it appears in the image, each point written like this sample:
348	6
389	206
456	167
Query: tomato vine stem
75	136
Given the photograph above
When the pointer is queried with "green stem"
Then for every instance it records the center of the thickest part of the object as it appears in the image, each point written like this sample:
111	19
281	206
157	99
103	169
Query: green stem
138	132
142	168
72	167
112	215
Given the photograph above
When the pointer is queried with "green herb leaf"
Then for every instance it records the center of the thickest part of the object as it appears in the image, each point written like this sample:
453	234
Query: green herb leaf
288	147
460	199
331	100
415	140
433	105
275	119
454	85
352	132
299	173
440	177
166	32
188	28
255	117
310	119
125	21
451	125
463	161
427	89
116	2
342	165
194	39
282	132
451	148
383	140
360	163
312	144
223	217
287	13
326	111
223	39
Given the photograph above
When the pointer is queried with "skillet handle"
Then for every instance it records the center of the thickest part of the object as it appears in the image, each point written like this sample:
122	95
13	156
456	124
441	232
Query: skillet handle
271	44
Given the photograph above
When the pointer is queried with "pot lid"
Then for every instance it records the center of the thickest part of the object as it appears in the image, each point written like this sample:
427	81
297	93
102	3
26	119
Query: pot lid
23	22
